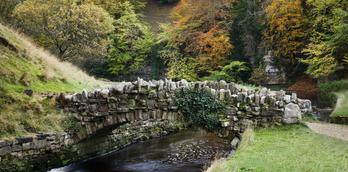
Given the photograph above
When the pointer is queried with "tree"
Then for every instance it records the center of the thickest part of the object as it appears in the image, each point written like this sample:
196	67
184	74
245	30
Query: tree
69	29
131	42
327	49
114	7
246	28
198	32
284	32
6	8
320	61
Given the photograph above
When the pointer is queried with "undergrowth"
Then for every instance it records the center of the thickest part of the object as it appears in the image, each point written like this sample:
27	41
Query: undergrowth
200	107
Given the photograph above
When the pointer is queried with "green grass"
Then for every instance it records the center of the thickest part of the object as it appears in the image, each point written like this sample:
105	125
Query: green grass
287	149
336	90
33	68
19	113
341	109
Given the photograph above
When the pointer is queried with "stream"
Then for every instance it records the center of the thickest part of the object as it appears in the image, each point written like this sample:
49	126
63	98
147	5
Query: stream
187	151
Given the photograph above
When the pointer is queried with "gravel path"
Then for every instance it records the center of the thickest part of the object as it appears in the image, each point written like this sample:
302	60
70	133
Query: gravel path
332	130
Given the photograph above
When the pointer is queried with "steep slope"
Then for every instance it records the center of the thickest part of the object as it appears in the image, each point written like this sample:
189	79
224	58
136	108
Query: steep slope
27	68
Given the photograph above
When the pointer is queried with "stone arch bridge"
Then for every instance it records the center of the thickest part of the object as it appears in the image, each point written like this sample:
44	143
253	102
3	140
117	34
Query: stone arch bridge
140	110
127	102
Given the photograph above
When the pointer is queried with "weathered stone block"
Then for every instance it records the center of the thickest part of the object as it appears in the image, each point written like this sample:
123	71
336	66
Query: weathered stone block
5	150
292	114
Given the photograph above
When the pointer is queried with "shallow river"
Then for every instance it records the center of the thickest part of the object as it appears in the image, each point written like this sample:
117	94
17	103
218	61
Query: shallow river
185	151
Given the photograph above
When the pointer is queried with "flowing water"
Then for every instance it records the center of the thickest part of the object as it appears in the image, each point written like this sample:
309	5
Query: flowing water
185	151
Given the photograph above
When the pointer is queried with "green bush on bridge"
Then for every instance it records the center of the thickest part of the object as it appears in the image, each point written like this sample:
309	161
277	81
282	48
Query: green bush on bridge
200	107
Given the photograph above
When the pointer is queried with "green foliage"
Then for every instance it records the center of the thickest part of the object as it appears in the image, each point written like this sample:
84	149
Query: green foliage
328	33
68	28
246	27
258	76
6	8
71	125
114	7
320	61
131	42
287	149
200	107
234	72
326	99
333	86
182	69
328	92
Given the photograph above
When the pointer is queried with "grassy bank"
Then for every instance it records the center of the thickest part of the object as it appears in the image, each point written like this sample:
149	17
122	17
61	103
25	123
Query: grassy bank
287	149
23	66
341	109
335	93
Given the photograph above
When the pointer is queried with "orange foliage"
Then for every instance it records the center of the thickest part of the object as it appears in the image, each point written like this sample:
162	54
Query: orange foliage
306	88
285	20
201	23
210	47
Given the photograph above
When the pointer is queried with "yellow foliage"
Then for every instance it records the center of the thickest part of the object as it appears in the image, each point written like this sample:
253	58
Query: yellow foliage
284	31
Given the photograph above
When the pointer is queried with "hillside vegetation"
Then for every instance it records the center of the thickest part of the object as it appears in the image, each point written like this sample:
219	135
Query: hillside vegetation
23	66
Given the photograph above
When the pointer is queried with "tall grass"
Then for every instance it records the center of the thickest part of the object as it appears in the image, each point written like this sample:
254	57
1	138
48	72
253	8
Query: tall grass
53	65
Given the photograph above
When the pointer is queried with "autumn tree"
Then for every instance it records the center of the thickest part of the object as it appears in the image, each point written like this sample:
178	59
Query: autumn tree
284	31
68	28
198	32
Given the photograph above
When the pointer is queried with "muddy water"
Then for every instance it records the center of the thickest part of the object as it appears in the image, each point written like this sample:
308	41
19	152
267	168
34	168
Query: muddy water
185	151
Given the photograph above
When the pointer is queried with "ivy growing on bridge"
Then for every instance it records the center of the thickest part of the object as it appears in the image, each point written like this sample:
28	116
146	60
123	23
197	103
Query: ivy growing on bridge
200	108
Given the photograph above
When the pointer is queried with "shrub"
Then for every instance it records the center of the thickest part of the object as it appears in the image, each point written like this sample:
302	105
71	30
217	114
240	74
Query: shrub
327	98
258	76
200	108
306	88
236	71
333	86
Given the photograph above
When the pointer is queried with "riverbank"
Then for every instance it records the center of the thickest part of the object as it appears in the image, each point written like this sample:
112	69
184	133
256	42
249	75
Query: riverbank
287	148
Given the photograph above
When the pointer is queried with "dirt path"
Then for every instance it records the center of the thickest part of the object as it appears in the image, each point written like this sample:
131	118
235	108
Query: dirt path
332	130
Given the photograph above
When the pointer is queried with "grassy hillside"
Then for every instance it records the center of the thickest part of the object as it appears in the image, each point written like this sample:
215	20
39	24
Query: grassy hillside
287	149
23	66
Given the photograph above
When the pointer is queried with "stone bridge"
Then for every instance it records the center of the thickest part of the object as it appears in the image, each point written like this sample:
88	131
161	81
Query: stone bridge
135	111
128	102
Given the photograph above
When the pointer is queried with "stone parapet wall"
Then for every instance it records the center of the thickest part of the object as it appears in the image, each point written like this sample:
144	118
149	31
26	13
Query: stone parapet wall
141	100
